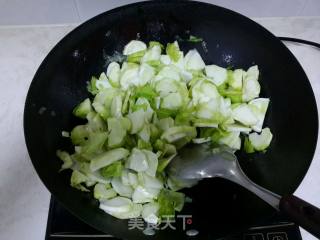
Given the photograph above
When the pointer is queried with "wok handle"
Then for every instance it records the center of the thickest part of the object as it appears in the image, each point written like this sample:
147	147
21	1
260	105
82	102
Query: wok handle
304	214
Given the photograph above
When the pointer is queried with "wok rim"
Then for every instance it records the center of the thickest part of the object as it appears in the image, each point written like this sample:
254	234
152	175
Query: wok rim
83	27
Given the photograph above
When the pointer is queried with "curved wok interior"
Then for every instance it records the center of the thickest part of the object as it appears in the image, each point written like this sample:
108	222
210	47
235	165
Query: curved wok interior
218	207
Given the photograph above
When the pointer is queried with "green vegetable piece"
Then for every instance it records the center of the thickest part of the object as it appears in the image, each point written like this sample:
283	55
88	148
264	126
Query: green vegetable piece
130	141
155	63
154	133
143	195
108	158
164	162
118	131
134	46
235	80
137	119
217	134
235	127
172	101
195	39
165	78
93	177
165	123
251	87
206	132
173	51
65	134
232	87
182	142
169	150
185	117
145	92
78	156
215	111
234	95
102	192
103	82
176	133
118	207
113	74
201	140
94	144
120	188
136	57
159	144
137	107
91	87
95	122
204	90
103	100
125	103
152	160
155	43
77	178
165	113
169	201
260	142
83	109
113	170
165	148
137	160
126	123
133	179
248	148
152	57
259	107
216	74
116	107
148	181
66	158
79	134
193	61
231	139
143	103
177	184
244	114
146	74
144	145
129	75
150	213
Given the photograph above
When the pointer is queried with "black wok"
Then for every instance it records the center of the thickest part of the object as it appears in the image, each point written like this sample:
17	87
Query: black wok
219	207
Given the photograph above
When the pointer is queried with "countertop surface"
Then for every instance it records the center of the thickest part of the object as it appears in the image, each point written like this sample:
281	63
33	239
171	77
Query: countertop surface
24	200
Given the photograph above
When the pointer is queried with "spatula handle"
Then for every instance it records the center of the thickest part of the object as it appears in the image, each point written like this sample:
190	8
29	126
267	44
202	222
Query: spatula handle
304	214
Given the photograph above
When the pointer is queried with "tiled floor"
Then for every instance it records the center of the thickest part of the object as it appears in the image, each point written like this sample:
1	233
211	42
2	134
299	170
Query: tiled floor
17	12
90	8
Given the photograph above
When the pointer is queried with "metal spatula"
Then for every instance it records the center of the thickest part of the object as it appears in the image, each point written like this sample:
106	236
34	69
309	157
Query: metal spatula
196	162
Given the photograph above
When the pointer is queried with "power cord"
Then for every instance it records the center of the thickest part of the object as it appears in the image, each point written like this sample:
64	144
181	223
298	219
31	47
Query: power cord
298	40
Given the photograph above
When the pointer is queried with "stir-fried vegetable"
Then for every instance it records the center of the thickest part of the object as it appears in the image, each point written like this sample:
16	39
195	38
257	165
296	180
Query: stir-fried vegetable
143	110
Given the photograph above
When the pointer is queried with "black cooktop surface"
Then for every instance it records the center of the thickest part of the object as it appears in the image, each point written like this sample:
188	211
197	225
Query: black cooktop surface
63	225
